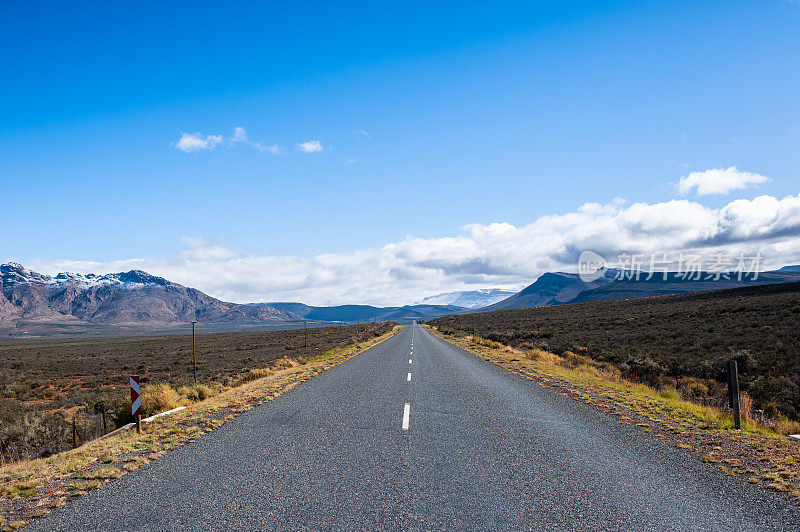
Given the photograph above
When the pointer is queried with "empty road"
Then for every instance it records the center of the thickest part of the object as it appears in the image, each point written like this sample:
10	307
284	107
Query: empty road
416	434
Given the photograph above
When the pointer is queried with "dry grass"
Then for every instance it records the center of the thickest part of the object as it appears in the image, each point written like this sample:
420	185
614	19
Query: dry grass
48	481
784	426
199	392
160	398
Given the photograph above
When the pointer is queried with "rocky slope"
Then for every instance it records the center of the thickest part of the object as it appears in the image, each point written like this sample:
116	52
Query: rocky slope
129	298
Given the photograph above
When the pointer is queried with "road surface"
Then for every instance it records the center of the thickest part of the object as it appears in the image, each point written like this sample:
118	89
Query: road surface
416	434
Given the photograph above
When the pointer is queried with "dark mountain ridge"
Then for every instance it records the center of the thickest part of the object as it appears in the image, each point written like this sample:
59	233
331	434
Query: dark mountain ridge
354	313
558	288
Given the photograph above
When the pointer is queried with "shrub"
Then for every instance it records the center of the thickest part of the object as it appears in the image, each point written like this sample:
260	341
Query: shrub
746	408
27	432
197	392
697	387
540	355
253	374
121	410
286	363
159	398
783	425
771	410
671	394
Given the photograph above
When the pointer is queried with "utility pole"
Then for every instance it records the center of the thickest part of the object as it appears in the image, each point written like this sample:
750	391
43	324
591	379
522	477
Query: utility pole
194	356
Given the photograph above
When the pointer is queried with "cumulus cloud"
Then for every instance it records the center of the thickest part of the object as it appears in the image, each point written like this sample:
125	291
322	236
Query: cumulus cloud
498	255
719	181
310	146
190	142
195	141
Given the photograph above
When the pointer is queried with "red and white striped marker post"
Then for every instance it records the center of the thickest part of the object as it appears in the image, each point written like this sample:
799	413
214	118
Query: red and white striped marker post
136	402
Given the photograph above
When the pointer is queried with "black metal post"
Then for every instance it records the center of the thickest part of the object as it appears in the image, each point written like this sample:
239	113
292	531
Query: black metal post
194	356
733	392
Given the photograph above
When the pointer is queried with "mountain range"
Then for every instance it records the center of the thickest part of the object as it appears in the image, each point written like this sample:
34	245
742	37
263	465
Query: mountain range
130	298
560	288
353	313
29	299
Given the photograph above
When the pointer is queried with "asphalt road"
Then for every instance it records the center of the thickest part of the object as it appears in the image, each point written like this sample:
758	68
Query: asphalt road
476	448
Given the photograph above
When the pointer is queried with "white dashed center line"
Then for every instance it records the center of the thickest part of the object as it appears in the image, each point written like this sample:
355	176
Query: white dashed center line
409	378
409	361
406	414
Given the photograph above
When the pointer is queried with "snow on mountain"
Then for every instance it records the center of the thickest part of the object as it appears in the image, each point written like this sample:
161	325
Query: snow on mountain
133	297
472	299
17	273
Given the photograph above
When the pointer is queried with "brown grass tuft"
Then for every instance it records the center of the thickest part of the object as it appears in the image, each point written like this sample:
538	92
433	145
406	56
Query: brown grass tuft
160	398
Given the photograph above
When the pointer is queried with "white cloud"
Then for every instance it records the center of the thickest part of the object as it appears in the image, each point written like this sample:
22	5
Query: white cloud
310	146
351	160
483	255
190	142
239	135
195	141
719	181
363	134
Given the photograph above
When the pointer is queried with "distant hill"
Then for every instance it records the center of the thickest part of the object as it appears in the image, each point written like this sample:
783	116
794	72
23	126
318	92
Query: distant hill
354	313
550	289
559	288
471	299
119	299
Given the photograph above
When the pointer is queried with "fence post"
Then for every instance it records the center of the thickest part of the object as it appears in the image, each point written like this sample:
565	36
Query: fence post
733	392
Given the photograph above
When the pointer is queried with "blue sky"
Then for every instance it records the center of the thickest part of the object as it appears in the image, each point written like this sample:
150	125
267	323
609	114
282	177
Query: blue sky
430	118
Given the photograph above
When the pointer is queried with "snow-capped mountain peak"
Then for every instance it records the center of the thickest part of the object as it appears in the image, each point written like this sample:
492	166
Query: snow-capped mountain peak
471	299
14	273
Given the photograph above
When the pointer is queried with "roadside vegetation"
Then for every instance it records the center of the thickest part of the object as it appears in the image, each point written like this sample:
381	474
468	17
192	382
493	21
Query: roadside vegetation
33	488
679	341
56	395
760	451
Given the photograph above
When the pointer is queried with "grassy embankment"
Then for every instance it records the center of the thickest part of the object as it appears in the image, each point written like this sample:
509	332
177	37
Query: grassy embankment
33	488
757	452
